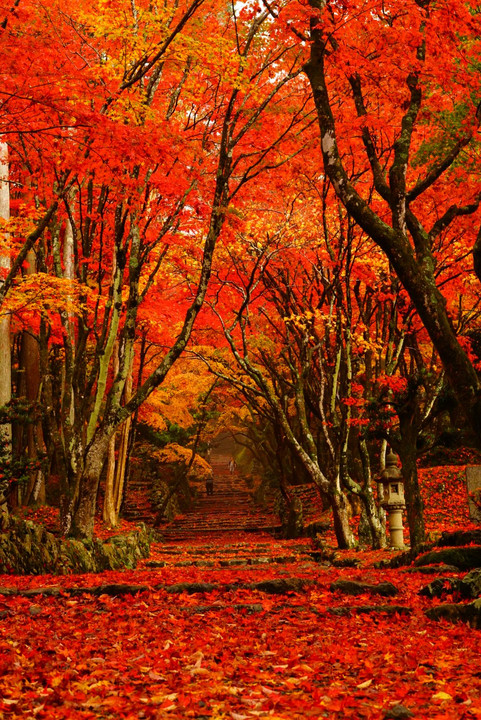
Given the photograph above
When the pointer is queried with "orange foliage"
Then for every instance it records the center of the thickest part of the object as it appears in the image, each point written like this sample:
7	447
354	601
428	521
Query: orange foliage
175	455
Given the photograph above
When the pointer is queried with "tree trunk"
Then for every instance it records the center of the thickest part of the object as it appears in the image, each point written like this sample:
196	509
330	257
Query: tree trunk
373	515
376	527
415	270
69	274
29	387
108	513
414	501
5	351
340	513
114	484
123	451
83	515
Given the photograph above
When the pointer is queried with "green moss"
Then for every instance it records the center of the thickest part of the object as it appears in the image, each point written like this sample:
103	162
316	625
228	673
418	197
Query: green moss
28	549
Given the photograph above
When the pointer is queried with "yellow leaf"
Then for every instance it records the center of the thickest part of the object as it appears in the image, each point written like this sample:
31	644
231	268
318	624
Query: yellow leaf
159	699
364	685
442	696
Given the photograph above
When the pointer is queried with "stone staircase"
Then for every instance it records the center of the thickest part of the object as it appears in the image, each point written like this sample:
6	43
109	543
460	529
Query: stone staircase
137	506
228	512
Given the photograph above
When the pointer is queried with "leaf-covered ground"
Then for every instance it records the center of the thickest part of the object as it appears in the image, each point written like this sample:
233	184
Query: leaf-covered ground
239	651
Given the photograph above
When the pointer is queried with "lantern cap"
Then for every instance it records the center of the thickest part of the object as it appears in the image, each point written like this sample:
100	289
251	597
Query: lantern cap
392	471
392	458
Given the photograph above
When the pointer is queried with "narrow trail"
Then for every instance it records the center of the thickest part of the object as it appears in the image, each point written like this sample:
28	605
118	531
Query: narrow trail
230	511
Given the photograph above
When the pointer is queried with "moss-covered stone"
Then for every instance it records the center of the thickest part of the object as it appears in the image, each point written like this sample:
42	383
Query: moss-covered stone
28	549
467	587
75	556
280	586
354	587
460	537
464	558
191	588
458	612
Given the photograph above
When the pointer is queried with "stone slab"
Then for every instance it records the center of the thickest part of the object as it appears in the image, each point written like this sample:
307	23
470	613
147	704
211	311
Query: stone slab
473	485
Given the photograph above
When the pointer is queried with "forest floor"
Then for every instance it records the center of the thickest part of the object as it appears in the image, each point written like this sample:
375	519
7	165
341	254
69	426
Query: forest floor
240	626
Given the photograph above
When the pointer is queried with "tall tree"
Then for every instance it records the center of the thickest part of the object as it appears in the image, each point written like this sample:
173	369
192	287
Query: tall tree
409	73
5	352
290	322
154	181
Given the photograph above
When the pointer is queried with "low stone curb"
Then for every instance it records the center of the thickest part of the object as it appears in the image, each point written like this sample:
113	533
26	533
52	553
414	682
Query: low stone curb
464	558
468	587
367	609
432	569
354	587
459	537
251	608
329	610
457	612
231	562
275	586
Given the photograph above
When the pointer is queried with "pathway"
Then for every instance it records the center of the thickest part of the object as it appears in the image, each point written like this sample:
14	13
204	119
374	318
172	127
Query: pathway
229	511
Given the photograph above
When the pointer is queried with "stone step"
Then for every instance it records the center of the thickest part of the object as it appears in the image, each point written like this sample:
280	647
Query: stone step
230	511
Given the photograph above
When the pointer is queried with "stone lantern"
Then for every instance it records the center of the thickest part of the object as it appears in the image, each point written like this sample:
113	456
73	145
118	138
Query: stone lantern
393	499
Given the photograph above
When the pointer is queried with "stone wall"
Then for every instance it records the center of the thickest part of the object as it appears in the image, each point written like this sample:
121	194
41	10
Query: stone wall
28	549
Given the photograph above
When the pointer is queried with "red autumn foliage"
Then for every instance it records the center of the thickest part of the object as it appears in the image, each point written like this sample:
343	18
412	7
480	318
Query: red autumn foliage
237	652
123	167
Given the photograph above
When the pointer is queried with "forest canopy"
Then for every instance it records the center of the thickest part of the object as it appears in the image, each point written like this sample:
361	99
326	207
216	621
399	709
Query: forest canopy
272	207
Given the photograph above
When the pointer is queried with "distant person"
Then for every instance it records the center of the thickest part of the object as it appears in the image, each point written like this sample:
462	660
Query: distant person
209	486
232	466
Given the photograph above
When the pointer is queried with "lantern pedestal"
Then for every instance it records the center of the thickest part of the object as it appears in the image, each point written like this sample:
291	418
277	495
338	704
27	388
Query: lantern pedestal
393	500
395	520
